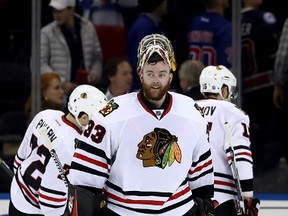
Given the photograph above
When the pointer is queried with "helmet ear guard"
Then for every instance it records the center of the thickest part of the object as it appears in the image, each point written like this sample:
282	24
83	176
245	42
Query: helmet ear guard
213	78
155	43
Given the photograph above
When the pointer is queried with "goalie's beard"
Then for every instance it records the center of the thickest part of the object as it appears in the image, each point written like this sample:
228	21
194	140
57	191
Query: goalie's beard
153	94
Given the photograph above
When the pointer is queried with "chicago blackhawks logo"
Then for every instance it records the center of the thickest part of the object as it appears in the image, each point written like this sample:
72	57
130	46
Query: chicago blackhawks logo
159	148
111	105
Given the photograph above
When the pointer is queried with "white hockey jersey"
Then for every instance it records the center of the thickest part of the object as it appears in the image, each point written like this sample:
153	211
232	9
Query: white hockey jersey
37	187
148	160
217	113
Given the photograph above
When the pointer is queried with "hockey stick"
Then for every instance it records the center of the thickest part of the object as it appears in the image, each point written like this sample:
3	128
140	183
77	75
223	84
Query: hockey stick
43	133
6	168
240	207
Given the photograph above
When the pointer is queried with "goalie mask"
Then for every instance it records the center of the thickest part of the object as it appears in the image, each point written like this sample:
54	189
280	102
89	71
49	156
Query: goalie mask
213	78
155	43
87	99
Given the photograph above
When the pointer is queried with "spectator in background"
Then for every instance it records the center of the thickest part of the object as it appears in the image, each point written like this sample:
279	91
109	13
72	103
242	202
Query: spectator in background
210	35
180	12
119	76
189	73
106	15
280	93
70	46
147	22
52	94
259	45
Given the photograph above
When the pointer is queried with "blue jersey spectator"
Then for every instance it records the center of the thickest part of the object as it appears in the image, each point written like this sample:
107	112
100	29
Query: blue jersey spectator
210	35
259	45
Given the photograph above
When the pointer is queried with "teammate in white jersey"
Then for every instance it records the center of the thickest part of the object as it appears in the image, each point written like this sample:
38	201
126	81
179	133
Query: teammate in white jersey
148	151
37	188
218	85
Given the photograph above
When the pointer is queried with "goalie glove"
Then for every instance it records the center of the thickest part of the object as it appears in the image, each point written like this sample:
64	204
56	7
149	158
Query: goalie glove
205	207
81	202
252	206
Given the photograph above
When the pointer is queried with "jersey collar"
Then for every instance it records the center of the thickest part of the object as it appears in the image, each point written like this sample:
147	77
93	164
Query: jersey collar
158	113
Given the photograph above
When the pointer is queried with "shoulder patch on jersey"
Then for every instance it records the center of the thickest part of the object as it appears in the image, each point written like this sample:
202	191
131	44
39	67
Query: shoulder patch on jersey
199	109
109	108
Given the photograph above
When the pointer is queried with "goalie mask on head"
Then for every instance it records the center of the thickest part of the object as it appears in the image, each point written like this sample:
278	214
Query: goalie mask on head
212	79
155	43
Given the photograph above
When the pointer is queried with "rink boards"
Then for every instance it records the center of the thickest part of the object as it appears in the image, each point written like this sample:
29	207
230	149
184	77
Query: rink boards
270	203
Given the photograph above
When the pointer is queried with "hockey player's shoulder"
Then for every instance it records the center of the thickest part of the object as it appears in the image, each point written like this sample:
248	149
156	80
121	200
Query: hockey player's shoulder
116	103
185	101
241	110
238	109
110	107
181	98
49	114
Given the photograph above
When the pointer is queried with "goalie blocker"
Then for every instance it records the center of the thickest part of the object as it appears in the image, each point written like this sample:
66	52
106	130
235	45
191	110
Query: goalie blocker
81	202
